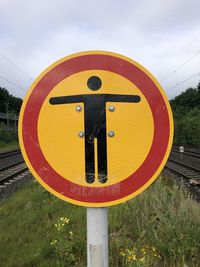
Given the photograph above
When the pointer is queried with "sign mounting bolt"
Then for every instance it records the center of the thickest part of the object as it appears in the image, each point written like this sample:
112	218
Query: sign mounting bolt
81	134
111	108
111	133
78	108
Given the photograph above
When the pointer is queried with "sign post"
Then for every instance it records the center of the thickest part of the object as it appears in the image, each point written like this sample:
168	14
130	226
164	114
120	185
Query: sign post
95	130
97	237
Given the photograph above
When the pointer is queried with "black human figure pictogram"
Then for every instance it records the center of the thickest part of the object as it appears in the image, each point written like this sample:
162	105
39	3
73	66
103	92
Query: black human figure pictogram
95	124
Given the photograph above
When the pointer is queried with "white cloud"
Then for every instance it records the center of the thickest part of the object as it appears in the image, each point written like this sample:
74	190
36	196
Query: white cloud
159	34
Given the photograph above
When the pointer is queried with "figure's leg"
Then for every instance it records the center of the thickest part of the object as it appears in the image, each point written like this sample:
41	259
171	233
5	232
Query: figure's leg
102	156
89	161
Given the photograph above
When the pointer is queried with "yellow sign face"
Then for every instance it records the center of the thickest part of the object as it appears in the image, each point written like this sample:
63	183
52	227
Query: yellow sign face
63	123
98	121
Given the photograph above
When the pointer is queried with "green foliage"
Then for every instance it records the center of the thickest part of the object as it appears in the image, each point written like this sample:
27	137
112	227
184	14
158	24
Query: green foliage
27	223
68	247
159	228
8	147
186	110
7	137
4	97
188	129
8	104
14	103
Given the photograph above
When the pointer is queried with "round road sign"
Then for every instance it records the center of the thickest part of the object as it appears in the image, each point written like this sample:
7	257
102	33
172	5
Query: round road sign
95	128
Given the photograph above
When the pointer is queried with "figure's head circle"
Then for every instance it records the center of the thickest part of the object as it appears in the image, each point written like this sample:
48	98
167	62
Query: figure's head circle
94	83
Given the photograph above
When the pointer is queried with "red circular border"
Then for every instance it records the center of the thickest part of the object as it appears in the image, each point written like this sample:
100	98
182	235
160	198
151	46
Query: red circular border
142	174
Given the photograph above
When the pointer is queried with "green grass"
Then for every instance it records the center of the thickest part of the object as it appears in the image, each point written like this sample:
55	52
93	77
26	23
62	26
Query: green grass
27	222
160	227
8	147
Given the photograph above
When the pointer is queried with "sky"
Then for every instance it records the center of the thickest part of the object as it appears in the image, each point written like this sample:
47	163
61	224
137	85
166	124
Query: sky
162	35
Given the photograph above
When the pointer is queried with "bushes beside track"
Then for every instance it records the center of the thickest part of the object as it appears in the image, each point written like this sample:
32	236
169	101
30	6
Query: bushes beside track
186	111
8	138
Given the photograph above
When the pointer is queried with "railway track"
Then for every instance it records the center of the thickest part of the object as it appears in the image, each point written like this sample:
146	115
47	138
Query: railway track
186	168
11	173
188	153
10	153
12	170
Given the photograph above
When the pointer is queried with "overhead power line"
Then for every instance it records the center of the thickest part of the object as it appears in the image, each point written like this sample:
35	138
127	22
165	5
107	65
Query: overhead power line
191	77
183	64
14	65
12	83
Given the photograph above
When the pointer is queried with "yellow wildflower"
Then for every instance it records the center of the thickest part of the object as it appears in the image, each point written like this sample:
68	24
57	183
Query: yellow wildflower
54	242
122	253
142	259
144	251
65	220
71	234
59	226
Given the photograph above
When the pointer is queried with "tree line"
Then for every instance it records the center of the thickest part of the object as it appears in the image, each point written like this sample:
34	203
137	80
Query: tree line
11	105
186	112
8	102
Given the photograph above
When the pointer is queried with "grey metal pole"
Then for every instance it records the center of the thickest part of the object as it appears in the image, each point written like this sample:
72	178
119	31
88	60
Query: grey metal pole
7	116
97	237
15	123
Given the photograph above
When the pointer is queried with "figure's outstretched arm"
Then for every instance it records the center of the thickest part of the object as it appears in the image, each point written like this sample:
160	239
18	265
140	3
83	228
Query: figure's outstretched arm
65	99
123	98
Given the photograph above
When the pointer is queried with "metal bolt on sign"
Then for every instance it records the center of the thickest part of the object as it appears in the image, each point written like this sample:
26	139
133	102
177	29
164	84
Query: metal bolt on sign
81	134
111	108
78	108
111	133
